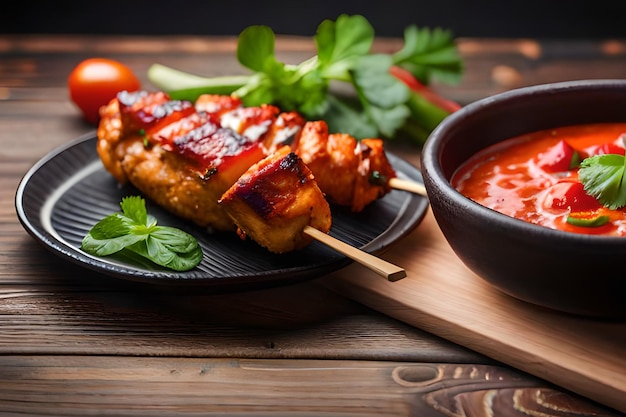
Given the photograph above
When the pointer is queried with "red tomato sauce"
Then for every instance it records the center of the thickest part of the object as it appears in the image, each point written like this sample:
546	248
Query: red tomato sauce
534	177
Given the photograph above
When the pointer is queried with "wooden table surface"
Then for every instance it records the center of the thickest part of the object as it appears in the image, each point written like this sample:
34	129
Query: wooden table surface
74	342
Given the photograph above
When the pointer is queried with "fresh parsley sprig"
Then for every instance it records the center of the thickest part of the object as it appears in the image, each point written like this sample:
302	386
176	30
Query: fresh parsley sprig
133	229
381	106
430	54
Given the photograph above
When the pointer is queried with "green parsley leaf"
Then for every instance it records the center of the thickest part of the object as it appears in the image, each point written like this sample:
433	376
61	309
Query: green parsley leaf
340	42
388	121
372	79
429	54
134	230
256	50
382	96
603	177
342	115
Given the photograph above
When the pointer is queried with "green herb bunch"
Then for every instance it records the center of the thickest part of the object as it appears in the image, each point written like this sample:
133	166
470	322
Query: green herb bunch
377	105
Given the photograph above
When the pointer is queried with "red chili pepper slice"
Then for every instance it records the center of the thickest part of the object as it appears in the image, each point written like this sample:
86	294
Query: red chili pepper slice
415	85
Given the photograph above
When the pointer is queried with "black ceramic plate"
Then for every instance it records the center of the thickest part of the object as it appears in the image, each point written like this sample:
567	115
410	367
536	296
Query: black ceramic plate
68	191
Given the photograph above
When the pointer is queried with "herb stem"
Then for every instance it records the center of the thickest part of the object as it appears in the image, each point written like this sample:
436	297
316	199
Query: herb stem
189	86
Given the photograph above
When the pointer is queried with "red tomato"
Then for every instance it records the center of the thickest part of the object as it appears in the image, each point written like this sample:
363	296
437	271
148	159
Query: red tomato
615	147
95	81
571	195
558	158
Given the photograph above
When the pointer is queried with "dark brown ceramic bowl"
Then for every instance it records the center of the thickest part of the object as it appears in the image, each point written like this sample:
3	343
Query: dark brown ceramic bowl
573	273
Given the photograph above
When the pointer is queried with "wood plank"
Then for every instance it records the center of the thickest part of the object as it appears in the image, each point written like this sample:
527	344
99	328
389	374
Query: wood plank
442	296
50	306
79	385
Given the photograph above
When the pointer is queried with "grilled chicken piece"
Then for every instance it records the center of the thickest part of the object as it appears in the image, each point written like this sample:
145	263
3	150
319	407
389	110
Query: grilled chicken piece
351	173
274	200
265	123
181	158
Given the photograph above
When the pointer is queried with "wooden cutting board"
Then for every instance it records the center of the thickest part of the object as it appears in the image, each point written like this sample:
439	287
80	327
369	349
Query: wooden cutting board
442	296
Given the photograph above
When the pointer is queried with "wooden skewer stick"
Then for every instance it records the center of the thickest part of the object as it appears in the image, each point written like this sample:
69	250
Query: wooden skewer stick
381	267
406	185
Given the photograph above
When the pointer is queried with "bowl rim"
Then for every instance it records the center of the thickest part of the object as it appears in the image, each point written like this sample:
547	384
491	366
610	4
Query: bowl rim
431	167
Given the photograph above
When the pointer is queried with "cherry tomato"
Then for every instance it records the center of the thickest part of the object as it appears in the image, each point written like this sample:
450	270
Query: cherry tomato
95	81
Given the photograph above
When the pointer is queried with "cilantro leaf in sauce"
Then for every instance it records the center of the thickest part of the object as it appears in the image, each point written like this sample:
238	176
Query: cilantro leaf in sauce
134	230
604	177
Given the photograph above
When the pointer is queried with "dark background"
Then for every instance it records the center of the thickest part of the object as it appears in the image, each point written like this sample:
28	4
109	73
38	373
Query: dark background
470	18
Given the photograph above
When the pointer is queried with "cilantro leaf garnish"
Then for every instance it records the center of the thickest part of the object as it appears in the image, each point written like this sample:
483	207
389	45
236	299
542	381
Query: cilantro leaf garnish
604	177
134	230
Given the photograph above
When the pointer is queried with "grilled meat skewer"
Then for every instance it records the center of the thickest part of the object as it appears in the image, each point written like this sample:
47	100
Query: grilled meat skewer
181	157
